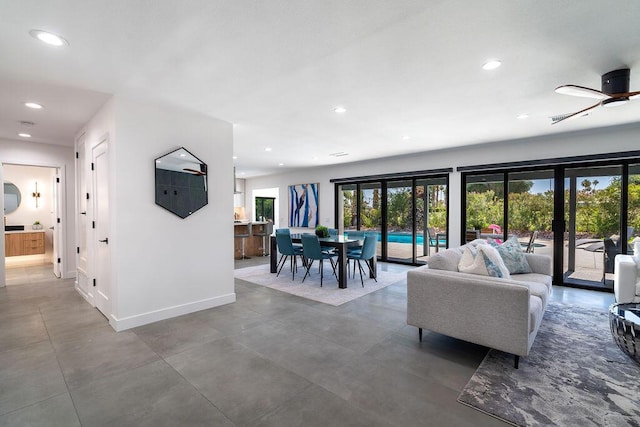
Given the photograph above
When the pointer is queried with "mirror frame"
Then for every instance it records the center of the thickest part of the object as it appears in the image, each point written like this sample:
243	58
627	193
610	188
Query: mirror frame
182	187
8	189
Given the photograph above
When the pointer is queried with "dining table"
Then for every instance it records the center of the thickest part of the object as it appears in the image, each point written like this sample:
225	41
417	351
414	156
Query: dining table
340	242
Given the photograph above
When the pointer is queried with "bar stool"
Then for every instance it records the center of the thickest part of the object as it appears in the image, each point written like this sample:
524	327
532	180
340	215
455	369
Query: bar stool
243	236
265	232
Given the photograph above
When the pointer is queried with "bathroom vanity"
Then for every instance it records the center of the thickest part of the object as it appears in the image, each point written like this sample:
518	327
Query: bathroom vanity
27	242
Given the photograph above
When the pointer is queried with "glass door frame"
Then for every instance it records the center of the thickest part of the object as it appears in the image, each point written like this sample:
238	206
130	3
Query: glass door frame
558	225
383	180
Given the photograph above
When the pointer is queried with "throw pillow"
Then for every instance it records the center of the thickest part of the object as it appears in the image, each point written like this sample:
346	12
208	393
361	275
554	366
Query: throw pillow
483	260
446	260
513	256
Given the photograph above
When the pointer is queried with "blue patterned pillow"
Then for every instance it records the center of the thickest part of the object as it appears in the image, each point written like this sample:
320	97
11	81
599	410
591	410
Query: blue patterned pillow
483	260
512	255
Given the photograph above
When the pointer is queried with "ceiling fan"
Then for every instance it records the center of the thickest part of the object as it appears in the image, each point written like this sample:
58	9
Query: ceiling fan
615	92
201	172
195	172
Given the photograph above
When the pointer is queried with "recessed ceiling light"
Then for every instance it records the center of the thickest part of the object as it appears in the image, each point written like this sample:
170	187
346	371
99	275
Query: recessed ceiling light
24	135
492	64
33	105
405	137
339	110
523	116
48	38
315	159
235	157
268	149
280	164
183	155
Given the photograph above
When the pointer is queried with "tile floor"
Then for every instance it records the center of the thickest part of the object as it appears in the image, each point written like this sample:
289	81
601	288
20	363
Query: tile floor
269	359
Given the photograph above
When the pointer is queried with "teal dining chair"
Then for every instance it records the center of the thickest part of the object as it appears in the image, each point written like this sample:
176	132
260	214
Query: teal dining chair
288	250
312	251
366	254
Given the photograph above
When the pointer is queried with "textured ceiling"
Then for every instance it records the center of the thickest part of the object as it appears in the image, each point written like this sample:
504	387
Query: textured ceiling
276	70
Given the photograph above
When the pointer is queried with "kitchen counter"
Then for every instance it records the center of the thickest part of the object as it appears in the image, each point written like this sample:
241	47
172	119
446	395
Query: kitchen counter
255	238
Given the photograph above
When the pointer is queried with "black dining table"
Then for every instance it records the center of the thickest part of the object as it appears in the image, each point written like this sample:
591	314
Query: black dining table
340	242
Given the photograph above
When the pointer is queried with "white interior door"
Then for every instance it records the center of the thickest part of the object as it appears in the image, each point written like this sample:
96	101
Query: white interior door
56	227
102	254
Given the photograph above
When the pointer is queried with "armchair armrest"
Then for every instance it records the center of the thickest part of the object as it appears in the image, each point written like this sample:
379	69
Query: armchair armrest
624	280
540	264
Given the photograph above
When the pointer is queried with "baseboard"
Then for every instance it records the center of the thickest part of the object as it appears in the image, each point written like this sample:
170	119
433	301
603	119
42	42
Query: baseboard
169	312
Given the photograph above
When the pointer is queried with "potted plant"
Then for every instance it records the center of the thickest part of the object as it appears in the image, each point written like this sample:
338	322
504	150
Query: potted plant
37	226
322	231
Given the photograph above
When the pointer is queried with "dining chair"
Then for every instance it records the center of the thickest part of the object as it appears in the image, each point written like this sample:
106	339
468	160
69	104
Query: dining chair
366	254
312	251
287	231
288	250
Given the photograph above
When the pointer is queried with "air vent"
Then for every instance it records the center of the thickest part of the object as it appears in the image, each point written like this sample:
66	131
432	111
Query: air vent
26	123
339	154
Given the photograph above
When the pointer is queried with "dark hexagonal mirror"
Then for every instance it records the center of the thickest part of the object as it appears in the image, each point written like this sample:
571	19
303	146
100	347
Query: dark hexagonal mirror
181	182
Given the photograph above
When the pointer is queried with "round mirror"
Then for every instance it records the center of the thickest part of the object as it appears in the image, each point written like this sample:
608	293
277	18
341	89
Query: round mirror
12	197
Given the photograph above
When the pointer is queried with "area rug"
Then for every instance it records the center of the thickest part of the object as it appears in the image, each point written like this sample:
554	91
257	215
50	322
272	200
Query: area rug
575	375
310	289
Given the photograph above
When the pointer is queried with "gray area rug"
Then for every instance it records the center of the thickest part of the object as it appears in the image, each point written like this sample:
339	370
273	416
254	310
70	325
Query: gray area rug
310	289
575	375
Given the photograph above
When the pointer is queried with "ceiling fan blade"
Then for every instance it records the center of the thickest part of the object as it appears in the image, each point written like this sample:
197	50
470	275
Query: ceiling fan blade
193	171
558	119
581	91
634	95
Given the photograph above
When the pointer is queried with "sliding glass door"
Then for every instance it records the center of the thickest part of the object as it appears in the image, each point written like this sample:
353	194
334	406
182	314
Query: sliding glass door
593	239
530	209
409	214
582	216
399	221
431	217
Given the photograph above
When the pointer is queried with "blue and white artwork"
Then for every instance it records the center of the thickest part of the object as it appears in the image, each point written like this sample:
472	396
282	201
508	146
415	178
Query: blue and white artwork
303	205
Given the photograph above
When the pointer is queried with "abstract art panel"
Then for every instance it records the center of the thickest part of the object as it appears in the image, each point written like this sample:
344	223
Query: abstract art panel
303	205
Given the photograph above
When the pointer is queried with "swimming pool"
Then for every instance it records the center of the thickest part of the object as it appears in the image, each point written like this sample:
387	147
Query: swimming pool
400	237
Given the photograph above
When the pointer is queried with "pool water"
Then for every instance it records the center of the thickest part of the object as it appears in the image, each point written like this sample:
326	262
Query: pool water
405	238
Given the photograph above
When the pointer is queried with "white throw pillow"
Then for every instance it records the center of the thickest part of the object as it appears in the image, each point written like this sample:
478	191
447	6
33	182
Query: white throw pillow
483	260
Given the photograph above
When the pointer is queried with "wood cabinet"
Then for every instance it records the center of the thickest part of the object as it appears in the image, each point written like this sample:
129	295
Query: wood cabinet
256	238
16	244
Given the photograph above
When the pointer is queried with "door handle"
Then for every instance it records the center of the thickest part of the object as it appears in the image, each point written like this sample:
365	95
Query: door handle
106	240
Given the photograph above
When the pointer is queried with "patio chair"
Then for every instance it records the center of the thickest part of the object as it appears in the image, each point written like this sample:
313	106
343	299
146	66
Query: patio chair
611	249
433	239
532	240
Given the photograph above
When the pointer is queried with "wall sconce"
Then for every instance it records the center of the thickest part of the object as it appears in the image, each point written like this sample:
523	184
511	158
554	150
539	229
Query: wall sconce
36	194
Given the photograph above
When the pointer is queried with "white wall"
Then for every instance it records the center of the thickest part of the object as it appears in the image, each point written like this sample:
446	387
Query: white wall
162	265
31	153
608	140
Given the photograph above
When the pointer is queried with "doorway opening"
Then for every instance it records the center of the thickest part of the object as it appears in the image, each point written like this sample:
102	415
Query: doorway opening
31	228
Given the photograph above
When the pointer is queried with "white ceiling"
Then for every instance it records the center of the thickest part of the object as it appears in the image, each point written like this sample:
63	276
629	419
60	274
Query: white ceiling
276	69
